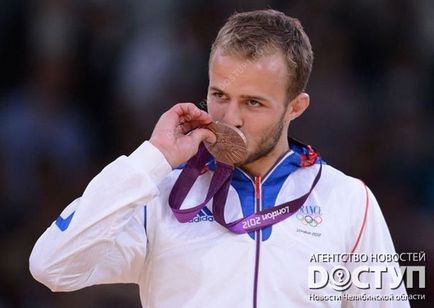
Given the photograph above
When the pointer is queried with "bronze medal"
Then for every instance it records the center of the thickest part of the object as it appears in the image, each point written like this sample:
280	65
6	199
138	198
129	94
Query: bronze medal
231	145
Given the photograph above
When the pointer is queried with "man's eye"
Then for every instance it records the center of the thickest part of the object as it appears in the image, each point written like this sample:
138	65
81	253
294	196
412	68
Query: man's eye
217	94
253	103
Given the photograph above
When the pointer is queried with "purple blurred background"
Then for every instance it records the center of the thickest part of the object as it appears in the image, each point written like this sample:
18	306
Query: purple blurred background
85	81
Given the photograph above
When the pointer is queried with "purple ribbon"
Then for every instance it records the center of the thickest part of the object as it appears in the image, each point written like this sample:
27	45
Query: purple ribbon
218	190
220	181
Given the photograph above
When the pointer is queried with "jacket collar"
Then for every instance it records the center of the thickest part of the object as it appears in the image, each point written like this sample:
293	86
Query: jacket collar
299	155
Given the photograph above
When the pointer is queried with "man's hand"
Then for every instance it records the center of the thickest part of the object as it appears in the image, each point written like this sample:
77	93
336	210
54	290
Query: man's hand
177	133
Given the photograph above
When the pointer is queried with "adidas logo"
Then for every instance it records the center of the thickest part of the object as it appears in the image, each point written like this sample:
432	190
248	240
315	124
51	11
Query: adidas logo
203	215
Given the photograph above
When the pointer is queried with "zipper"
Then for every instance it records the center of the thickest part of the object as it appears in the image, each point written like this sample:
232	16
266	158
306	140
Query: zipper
267	175
258	207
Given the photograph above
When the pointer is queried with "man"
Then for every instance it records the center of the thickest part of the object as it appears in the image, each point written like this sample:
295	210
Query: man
122	229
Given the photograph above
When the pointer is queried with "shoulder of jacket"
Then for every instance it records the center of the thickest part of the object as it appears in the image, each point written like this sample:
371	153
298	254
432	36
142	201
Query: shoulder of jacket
338	178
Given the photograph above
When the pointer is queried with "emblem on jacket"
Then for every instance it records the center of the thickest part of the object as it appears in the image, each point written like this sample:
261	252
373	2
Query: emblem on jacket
310	215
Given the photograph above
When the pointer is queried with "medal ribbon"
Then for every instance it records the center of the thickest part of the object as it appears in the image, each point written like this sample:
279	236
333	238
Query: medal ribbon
220	180
218	190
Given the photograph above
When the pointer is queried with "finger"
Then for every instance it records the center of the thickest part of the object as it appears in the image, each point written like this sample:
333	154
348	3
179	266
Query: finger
179	113
184	109
203	134
190	112
188	126
169	120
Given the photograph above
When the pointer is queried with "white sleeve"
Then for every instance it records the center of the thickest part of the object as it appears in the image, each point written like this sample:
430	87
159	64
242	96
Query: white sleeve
100	237
374	240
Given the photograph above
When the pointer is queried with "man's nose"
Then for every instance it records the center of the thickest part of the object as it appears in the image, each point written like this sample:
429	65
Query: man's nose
233	115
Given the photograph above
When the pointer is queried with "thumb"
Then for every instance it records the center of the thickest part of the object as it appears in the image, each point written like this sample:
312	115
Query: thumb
203	134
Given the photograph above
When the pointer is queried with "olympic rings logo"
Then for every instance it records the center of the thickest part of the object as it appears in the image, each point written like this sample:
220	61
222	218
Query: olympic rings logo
311	220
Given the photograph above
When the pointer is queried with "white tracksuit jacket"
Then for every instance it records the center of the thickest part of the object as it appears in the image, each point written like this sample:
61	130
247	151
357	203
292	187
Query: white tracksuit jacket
122	231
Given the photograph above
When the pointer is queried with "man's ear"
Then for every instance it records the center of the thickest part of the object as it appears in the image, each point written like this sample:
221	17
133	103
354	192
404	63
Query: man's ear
297	106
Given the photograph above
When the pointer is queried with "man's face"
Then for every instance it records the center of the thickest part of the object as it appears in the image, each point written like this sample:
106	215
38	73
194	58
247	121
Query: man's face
250	95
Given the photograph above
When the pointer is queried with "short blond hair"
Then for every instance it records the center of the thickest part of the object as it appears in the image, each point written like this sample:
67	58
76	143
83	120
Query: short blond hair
264	32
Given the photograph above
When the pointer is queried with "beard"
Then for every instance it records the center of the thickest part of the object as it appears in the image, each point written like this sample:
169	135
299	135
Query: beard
266	143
